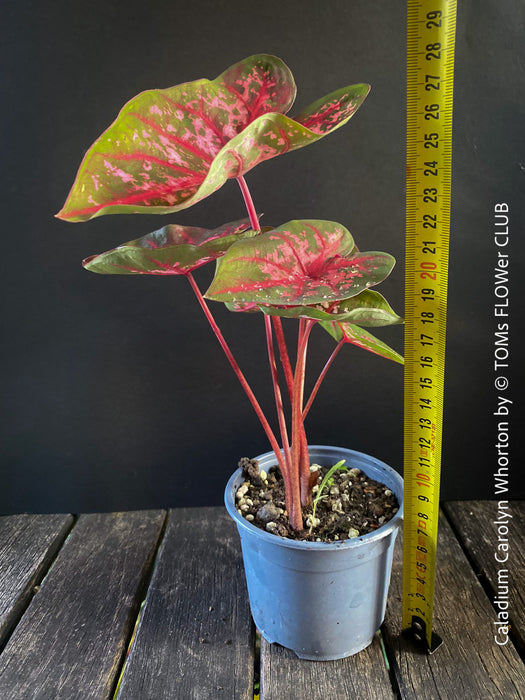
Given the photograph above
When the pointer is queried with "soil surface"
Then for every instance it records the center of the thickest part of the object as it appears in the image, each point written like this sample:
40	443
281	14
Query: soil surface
350	504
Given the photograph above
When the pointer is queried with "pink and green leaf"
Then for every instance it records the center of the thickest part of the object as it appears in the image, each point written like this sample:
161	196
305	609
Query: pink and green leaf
298	264
168	149
368	308
172	250
355	335
334	110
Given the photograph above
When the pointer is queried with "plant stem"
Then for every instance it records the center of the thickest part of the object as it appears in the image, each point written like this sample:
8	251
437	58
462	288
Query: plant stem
304	467
291	463
292	488
254	219
301	441
302	323
283	352
238	372
298	438
321	377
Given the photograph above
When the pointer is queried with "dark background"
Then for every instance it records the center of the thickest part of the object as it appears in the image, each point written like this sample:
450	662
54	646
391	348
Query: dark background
115	392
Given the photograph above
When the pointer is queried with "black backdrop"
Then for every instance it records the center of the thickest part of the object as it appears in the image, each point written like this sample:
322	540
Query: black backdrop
114	390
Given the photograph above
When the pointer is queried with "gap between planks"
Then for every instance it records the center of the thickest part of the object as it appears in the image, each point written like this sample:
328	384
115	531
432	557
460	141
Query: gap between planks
100	552
139	602
32	586
195	636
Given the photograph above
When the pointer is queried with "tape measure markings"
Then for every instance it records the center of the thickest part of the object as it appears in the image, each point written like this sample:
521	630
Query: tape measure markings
430	65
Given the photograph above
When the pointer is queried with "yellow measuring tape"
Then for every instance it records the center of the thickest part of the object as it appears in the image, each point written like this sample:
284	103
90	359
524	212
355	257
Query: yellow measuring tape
430	73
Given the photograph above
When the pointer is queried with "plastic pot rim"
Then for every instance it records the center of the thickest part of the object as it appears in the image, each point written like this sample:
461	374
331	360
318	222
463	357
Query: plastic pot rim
350	543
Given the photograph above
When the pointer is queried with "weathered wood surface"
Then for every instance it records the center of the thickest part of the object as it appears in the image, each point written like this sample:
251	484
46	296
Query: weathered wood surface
360	677
469	664
482	528
28	544
195	639
71	641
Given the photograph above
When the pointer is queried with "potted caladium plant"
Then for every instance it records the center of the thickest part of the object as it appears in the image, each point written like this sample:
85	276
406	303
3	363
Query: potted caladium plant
167	150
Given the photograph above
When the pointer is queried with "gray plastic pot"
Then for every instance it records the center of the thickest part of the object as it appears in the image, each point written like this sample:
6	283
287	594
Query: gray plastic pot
324	601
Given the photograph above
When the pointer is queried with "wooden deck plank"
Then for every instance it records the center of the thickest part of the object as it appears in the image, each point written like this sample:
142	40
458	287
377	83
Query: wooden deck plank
361	677
195	638
28	544
482	530
72	638
469	664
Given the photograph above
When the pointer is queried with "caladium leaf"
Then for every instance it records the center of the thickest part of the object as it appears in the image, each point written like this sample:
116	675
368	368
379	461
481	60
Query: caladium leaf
355	335
368	308
169	149
299	263
172	250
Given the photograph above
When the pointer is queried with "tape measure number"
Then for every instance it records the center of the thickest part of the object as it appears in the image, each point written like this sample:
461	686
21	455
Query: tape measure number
430	70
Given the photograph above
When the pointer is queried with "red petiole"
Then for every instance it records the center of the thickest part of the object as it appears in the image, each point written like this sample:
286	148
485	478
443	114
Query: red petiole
321	377
238	372
293	460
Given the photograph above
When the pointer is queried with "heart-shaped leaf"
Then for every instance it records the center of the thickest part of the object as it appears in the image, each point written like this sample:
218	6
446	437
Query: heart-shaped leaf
368	308
298	263
358	336
172	250
168	149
